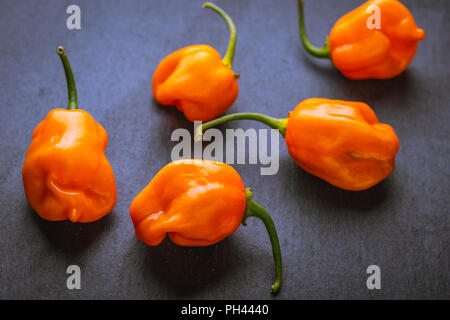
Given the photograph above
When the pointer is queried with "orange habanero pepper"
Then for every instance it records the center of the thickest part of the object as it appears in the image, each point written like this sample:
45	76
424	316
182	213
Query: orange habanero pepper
198	203
341	142
66	174
196	80
362	50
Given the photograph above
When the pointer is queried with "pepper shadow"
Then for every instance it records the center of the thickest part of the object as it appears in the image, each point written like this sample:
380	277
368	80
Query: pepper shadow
172	116
186	270
380	91
323	67
392	91
73	238
316	190
170	119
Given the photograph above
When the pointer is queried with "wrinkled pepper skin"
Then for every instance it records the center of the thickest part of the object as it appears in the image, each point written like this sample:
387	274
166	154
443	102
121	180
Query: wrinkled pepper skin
362	53
341	142
66	174
196	81
197	202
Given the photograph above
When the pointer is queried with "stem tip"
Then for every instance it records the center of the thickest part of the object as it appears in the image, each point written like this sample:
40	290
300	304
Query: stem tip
276	286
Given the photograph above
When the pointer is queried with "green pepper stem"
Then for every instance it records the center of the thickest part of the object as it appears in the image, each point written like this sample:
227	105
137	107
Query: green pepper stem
255	210
72	90
275	123
228	59
323	52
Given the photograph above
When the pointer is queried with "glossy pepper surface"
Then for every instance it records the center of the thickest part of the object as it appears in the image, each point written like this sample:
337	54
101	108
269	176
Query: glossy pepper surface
66	174
197	203
341	142
197	80
377	40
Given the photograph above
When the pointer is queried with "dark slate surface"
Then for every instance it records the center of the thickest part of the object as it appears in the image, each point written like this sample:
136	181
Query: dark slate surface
328	236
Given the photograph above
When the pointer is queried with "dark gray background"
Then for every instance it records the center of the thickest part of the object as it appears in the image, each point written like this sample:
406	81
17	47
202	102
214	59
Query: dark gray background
328	236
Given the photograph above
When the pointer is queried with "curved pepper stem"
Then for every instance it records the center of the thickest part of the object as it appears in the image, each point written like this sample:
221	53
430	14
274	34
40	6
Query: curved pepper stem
255	210
275	123
228	59
323	52
72	90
